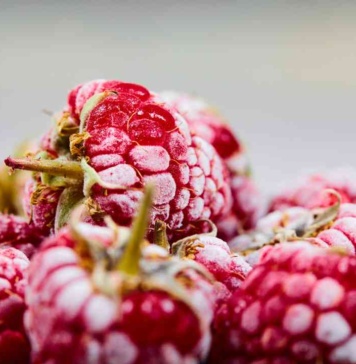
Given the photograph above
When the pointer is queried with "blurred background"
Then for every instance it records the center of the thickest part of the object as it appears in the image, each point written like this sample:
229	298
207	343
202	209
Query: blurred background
282	72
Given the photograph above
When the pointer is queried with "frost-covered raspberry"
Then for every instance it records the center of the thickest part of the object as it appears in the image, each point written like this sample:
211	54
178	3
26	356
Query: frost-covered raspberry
215	255
129	137
93	297
15	231
298	305
334	226
207	123
308	192
14	345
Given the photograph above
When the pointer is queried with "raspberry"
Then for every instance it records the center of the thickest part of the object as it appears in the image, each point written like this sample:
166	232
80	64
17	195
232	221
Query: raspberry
215	255
18	233
14	345
94	297
129	137
206	123
309	192
334	226
296	306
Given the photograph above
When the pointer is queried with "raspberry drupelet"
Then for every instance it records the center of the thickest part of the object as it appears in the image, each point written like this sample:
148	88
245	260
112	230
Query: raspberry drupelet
117	137
99	295
298	305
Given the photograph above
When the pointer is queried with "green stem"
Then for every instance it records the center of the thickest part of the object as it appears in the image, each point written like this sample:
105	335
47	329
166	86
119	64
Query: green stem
54	167
130	260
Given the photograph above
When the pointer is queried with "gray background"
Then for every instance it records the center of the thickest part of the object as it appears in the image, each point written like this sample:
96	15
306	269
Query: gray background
283	72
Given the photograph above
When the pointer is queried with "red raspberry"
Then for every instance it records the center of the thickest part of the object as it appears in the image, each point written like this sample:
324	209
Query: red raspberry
206	123
92	299
130	137
298	305
334	226
309	192
14	346
215	255
18	233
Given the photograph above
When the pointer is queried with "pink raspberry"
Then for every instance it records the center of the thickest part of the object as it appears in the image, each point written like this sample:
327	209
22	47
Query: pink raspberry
215	255
206	123
298	305
309	192
93	297
18	233
129	137
14	345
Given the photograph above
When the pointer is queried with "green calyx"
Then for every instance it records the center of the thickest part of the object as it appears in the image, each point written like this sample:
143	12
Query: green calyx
130	260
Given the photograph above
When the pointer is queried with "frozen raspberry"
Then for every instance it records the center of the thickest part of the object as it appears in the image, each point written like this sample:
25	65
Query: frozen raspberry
14	345
215	255
206	123
94	297
129	137
334	226
18	233
298	305
309	192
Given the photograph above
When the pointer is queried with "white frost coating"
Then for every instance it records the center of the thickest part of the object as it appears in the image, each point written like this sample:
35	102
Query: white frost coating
118	348
165	187
181	200
203	162
150	158
334	237
99	313
60	278
71	299
192	159
345	353
250	319
197	180
167	305
92	352
183	127
332	328
347	210
106	160
153	250
171	356
195	208
298	319
4	284
120	175
327	293
206	147
52	258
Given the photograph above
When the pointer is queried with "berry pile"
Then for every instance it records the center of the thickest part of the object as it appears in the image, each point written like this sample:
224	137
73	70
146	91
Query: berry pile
140	237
